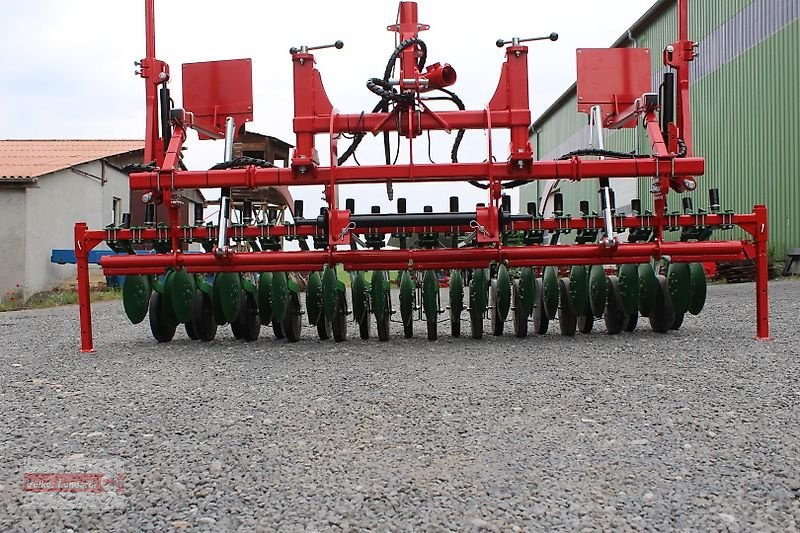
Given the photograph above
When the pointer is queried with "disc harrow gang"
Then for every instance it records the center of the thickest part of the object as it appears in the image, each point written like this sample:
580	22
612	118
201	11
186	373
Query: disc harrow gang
509	295
503	272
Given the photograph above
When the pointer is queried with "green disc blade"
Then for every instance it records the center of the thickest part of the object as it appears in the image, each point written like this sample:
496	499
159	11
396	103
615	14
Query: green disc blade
280	295
406	297
527	290
503	292
216	305
378	289
648	289
359	296
314	297
550	290
679	283
265	297
598	289
183	289
628	276
479	291
228	293
697	293
166	309
136	297
456	291
579	289
430	294
329	283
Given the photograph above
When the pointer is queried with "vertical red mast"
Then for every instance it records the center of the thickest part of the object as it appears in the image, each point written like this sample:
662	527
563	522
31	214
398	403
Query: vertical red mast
151	121
409	28
678	55
154	72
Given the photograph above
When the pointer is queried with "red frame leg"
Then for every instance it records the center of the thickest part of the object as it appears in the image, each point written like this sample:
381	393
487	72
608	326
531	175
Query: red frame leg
762	274
84	302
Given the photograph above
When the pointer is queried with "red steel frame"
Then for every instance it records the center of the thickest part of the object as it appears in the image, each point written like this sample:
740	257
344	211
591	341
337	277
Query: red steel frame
509	108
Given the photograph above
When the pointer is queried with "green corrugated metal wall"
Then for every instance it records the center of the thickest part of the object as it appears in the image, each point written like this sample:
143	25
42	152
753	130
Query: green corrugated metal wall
705	16
746	115
745	123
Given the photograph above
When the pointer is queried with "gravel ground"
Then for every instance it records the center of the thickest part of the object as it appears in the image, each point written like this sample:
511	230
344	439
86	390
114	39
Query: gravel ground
694	430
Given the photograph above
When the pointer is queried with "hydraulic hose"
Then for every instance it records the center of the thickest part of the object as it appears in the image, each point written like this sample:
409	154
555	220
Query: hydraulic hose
381	87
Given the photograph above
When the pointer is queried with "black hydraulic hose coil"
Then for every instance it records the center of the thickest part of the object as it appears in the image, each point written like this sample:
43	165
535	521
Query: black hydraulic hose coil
378	86
399	50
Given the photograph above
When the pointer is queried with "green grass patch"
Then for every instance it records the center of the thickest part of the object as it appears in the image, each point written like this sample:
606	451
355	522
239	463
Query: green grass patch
57	297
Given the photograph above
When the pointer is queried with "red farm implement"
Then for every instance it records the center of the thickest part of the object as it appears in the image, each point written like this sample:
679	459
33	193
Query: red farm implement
502	267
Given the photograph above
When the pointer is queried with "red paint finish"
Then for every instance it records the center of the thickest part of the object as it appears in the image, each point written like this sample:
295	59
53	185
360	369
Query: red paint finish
612	78
313	109
569	169
761	235
419	259
678	55
214	90
439	76
84	302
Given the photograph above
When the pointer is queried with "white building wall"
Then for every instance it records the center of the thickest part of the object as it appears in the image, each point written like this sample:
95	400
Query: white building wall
62	199
12	243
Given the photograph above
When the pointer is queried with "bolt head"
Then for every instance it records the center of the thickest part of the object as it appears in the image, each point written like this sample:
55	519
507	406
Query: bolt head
670	49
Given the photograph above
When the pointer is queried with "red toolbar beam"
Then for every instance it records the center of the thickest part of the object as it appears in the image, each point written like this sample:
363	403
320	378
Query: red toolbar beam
745	221
424	259
572	169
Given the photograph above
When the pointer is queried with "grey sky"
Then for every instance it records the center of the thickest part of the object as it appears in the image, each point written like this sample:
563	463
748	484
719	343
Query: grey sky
68	65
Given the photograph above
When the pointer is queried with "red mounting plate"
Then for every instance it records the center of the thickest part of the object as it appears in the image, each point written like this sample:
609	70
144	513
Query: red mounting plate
214	90
612	78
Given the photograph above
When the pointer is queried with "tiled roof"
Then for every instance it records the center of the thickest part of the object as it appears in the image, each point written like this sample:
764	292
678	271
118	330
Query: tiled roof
23	160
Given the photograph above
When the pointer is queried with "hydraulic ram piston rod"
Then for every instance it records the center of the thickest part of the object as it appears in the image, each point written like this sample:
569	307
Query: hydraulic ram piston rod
225	200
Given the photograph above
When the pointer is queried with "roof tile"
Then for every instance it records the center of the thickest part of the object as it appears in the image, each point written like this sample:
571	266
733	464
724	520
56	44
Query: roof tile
22	160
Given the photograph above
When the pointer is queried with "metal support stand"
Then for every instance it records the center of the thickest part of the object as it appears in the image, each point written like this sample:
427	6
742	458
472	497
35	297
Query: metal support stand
762	274
84	303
